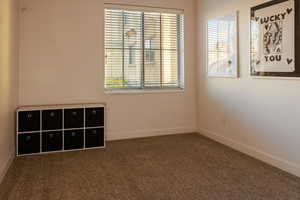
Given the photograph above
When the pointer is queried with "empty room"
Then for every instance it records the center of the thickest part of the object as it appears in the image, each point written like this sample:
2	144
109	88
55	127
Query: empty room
149	100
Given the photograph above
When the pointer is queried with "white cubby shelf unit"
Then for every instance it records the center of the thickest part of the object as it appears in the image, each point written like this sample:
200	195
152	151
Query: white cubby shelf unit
60	128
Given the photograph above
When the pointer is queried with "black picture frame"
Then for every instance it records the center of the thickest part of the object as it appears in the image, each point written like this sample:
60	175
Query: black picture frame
295	73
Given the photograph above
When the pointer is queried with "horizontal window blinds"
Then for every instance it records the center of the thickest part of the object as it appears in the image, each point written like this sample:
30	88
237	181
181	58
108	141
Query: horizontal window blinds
220	43
143	49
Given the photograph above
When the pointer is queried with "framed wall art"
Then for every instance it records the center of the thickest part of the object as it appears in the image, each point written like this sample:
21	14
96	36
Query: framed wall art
222	46
274	41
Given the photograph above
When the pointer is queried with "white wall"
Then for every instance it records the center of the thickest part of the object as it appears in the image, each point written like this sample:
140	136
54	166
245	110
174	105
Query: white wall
61	61
260	117
8	80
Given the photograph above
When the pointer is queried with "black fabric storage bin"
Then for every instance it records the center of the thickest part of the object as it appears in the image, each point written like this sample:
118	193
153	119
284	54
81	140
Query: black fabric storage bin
94	137
52	141
29	121
28	143
52	119
94	117
73	139
73	118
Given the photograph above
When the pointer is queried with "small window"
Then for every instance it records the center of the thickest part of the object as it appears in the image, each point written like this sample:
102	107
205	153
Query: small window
125	19
150	52
143	49
131	56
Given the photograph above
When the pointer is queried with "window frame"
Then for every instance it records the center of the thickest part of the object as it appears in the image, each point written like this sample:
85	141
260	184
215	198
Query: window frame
180	52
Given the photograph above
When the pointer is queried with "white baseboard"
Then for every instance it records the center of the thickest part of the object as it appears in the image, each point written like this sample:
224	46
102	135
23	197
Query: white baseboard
251	151
6	165
148	133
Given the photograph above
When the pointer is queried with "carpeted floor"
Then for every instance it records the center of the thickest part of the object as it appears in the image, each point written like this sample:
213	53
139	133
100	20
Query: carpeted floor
180	167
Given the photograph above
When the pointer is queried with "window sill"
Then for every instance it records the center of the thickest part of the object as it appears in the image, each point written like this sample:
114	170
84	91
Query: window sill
144	91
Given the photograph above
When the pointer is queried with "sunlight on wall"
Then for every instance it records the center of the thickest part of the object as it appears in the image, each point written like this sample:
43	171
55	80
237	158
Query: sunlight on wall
8	80
5	49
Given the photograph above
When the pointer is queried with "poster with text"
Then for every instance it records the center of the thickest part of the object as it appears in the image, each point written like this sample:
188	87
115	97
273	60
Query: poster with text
273	39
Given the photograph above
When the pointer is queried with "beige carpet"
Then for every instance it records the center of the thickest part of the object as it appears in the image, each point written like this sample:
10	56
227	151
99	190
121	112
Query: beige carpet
180	167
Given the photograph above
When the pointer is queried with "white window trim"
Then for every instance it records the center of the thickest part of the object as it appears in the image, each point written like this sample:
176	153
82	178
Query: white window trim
142	91
142	8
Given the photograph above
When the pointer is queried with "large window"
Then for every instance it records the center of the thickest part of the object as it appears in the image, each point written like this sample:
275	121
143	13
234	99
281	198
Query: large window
143	49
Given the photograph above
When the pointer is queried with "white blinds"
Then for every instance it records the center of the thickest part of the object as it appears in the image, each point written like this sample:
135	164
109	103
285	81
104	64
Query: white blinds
143	49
